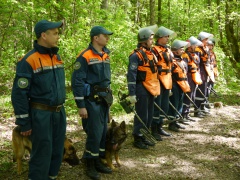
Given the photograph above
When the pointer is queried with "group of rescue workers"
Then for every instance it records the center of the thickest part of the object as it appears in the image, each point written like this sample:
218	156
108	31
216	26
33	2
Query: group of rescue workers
164	81
158	77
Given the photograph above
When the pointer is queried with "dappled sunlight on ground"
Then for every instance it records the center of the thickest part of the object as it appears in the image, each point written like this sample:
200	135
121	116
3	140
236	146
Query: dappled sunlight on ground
207	149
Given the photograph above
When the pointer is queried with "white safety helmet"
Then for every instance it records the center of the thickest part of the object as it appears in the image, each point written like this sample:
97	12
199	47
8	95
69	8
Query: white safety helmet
204	35
144	34
211	41
194	41
177	44
162	31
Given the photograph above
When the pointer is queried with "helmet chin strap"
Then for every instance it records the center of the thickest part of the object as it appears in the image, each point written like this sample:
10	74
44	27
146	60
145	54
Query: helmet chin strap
144	44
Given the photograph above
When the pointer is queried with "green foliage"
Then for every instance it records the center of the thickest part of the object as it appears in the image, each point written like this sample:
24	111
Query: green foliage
124	18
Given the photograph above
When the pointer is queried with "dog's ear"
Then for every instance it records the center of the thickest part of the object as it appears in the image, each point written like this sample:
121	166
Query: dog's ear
113	123
123	125
67	139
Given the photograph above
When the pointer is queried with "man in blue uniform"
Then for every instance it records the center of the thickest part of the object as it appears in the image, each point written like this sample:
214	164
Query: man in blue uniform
38	95
91	89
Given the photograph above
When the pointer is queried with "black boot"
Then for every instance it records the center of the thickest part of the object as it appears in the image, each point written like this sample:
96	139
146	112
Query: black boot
208	106
147	142
187	117
138	142
154	129
204	110
172	127
90	169
183	121
198	114
162	132
100	167
179	126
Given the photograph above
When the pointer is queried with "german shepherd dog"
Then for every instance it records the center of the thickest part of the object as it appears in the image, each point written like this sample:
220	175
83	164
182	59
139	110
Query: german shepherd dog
21	144
116	135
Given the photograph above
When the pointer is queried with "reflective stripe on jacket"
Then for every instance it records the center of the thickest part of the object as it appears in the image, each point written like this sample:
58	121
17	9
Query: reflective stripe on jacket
39	78
90	68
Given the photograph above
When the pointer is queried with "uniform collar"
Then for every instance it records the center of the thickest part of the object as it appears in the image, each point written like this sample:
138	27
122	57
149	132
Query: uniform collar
163	46
45	50
177	57
105	49
140	46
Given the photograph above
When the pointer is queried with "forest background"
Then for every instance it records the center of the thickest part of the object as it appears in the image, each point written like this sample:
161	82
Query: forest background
123	17
186	17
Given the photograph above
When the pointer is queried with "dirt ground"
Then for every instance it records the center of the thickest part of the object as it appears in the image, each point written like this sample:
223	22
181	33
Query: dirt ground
207	149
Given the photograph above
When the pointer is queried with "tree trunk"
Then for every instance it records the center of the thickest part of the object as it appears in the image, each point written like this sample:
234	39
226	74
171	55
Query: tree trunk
159	12
152	12
209	8
169	13
230	46
104	4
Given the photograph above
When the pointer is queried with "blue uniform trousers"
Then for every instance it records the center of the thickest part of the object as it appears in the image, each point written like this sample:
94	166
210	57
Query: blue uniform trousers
144	109
192	94
209	87
48	135
95	127
199	99
176	99
163	102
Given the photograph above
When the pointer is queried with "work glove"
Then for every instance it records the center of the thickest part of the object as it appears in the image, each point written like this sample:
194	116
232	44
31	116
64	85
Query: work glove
132	99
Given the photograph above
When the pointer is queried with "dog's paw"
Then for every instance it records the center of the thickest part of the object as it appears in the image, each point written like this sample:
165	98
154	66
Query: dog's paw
114	168
104	161
119	163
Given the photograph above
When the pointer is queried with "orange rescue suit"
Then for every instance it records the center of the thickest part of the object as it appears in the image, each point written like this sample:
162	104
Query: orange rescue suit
193	68
204	51
147	72
164	66
214	63
179	75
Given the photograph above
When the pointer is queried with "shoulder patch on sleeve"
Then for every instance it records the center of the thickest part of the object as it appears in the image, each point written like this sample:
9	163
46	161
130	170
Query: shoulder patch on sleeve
133	66
77	65
22	82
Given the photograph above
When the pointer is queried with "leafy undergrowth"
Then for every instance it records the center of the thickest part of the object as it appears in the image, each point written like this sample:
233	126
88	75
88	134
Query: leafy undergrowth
207	149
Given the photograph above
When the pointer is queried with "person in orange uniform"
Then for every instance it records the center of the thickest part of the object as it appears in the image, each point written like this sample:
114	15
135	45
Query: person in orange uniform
213	65
205	71
180	83
163	54
193	75
143	85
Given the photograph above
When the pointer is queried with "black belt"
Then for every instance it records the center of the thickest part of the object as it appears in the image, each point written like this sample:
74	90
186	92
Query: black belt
181	79
166	70
46	107
96	88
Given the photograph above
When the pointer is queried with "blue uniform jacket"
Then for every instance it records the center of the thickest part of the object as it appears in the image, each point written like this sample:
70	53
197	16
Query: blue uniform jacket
135	87
91	68
39	78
